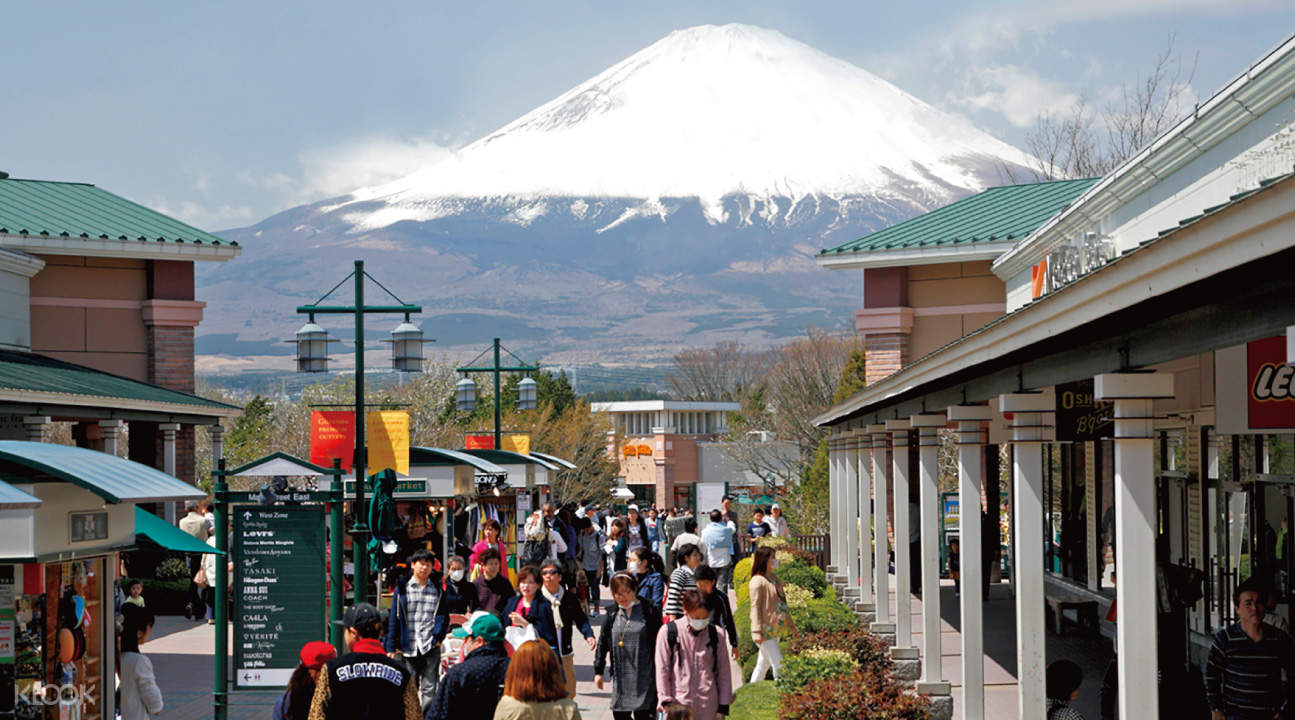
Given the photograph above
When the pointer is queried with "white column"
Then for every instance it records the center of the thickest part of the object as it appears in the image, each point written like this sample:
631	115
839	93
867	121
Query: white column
111	435
863	441
833	512
1029	423
932	681
35	427
903	586
169	431
1135	534
852	516
971	445
881	522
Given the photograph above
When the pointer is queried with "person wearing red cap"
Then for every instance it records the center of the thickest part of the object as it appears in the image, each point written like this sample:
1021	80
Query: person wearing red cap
294	704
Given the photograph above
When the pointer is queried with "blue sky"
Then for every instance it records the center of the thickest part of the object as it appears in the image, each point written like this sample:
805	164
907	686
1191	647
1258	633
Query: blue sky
224	113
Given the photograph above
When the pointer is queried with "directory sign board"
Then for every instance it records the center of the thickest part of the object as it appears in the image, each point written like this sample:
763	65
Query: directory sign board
279	590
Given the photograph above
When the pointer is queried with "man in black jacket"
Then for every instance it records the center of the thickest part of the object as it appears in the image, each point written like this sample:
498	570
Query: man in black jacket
364	684
472	688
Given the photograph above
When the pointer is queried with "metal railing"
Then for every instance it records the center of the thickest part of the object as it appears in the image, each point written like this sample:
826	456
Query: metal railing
820	546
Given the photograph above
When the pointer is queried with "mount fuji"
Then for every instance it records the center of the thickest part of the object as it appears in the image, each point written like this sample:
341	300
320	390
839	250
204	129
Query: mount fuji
675	199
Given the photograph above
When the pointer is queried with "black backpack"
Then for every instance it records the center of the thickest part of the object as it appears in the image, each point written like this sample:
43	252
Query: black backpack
536	552
672	639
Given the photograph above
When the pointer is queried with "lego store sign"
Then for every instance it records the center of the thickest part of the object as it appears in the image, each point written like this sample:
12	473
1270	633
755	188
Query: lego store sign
1255	387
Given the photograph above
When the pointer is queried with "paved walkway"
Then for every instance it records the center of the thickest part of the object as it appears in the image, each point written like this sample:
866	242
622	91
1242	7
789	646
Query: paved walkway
183	654
1091	653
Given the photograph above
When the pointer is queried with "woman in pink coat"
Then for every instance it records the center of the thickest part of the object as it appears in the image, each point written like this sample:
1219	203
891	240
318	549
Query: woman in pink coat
692	665
490	529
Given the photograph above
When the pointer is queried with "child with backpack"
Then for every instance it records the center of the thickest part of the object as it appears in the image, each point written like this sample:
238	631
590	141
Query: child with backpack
692	666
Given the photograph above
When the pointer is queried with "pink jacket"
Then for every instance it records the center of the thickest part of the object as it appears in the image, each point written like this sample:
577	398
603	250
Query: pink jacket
689	680
481	546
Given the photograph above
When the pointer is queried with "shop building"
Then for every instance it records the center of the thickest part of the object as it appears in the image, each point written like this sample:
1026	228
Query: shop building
660	445
94	280
1140	383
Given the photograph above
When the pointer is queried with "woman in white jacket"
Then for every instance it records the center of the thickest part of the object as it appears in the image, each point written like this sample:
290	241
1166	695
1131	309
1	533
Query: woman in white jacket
141	698
209	592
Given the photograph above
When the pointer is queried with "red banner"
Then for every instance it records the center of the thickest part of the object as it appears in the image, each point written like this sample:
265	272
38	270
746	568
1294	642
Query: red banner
332	435
1271	384
479	442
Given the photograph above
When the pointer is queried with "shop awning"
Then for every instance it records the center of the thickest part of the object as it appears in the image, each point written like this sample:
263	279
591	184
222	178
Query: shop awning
163	533
280	463
424	456
554	459
11	498
508	457
112	478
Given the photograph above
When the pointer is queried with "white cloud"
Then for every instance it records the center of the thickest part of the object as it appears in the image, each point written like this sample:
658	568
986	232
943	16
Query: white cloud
1018	94
205	216
329	172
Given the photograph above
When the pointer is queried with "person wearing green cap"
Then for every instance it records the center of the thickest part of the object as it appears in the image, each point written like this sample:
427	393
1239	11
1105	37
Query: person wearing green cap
472	688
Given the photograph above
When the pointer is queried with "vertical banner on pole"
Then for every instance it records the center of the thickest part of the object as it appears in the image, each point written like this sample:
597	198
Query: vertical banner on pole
388	432
332	436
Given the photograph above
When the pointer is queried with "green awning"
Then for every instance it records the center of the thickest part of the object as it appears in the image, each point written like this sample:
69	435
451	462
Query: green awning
160	532
112	478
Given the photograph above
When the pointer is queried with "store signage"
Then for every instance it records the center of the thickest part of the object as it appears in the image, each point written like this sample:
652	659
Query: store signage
645	450
414	488
278	589
87	526
1271	383
630	450
1254	388
1079	416
1073	259
332	435
388	441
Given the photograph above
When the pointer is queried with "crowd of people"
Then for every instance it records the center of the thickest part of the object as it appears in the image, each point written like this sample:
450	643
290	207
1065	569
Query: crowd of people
663	641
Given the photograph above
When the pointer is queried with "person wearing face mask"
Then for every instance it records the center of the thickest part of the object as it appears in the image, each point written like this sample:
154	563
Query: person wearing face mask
765	617
458	599
648	572
568	616
472	688
692	665
682	580
628	636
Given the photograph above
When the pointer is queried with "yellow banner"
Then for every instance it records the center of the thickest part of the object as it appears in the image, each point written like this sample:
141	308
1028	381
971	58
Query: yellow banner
388	441
517	442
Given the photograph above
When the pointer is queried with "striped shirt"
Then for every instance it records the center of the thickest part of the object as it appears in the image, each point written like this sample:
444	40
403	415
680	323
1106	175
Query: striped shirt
1243	678
681	581
422	603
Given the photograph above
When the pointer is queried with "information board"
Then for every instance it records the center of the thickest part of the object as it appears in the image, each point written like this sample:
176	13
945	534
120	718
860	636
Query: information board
279	590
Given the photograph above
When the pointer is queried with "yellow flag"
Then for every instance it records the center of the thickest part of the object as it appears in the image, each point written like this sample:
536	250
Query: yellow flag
517	442
388	441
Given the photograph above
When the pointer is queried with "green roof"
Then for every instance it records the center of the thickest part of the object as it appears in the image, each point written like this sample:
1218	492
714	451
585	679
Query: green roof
1006	213
166	535
40	207
31	373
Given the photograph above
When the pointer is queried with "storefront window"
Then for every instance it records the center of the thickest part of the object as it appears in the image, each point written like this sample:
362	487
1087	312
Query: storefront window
74	629
1067	511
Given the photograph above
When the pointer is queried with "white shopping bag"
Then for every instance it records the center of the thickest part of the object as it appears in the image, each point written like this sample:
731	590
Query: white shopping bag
515	636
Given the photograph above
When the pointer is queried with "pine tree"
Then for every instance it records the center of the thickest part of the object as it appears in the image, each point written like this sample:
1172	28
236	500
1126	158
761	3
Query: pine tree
853	377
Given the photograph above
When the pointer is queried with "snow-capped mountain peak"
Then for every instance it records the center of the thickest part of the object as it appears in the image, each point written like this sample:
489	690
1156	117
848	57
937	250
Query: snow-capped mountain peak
708	112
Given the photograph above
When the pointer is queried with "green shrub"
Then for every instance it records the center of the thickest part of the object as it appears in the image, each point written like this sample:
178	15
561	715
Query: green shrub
165	597
868	650
173	569
870	693
797	596
816	664
823	615
742	573
800	573
755	701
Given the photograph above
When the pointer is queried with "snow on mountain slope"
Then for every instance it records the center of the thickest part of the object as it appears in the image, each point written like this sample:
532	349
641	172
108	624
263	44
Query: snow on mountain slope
705	113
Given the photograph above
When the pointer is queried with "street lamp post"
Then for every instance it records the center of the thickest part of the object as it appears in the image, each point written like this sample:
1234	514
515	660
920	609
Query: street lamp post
312	348
466	389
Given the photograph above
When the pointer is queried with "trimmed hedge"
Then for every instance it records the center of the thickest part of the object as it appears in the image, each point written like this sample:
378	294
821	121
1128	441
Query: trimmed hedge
871	693
867	649
824	615
800	573
165	597
814	664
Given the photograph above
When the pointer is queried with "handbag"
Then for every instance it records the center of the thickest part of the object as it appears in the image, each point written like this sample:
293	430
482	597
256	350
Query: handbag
200	577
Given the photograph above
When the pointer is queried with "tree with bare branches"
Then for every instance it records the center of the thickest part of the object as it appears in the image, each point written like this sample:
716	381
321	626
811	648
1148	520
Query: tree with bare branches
721	372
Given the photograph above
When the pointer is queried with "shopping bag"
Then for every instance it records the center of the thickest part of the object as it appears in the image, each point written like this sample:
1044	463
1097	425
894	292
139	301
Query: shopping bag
515	636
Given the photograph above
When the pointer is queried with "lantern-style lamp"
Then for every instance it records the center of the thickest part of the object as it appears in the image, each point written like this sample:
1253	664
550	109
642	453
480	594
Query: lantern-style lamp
465	395
527	394
407	347
312	348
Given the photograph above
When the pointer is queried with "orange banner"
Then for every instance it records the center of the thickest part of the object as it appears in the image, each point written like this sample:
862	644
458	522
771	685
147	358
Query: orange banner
513	442
388	440
479	442
332	435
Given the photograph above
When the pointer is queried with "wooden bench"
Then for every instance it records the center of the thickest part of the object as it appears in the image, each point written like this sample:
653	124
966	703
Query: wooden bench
1085	613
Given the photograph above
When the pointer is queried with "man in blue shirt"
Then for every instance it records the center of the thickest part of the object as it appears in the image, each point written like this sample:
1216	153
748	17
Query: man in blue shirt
717	542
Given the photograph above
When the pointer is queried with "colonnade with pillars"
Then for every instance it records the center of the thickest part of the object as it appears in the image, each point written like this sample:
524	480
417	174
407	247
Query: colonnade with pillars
869	485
